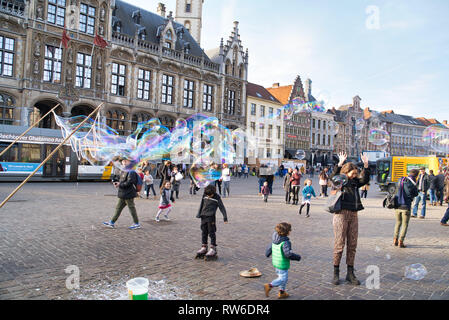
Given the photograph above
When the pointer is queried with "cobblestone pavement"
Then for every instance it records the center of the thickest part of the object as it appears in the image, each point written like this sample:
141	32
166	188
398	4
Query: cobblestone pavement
49	226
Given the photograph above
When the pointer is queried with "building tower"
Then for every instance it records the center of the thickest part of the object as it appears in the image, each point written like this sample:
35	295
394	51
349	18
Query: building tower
190	14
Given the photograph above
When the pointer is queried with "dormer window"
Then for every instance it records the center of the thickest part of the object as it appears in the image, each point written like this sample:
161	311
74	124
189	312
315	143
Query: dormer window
142	34
118	28
136	16
168	43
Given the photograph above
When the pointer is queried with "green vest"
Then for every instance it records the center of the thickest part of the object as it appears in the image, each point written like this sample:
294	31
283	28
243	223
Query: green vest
279	260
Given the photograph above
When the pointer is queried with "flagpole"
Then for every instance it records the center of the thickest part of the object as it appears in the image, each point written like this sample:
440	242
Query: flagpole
51	155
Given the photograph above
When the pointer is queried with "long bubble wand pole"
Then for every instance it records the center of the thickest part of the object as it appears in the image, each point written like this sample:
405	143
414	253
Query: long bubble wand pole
28	130
51	155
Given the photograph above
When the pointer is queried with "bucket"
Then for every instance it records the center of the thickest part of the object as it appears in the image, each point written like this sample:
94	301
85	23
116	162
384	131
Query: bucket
138	289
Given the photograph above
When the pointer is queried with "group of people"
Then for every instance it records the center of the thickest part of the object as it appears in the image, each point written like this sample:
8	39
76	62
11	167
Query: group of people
415	188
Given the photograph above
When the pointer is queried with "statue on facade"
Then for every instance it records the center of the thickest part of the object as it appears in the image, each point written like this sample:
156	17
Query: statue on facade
102	14
40	13
36	67
37	48
69	55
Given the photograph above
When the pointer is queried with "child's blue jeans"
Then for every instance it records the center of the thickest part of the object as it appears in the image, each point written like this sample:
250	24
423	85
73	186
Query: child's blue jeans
282	279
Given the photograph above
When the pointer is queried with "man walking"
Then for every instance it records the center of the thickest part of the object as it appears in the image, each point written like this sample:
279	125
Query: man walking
423	187
127	192
440	186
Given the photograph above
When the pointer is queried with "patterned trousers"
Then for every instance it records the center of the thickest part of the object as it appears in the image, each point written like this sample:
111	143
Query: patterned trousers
346	232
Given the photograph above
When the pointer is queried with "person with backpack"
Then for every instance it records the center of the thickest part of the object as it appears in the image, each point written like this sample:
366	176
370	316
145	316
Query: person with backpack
407	191
127	192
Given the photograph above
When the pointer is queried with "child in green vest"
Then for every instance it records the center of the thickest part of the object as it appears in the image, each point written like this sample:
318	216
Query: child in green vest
281	251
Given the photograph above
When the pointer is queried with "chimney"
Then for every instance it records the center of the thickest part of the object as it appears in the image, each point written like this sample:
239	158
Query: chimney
276	85
445	122
161	9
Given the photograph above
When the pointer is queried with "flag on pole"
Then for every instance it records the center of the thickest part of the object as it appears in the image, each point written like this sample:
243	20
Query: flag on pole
100	42
65	39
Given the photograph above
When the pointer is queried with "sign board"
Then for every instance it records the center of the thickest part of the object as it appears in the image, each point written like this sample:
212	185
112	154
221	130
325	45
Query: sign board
31	139
19	168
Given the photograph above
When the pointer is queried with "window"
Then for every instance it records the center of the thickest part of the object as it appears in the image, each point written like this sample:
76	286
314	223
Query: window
30	153
56	12
87	19
52	64
253	128
168	122
279	132
189	92
208	97
167	89
187	25
168	39
139	118
270	131
324	139
253	109
6	109
116	119
313	123
231	102
143	84
6	56
324	124
261	130
270	112
313	138
319	124
262	111
83	70
188	7
329	140
118	79
268	153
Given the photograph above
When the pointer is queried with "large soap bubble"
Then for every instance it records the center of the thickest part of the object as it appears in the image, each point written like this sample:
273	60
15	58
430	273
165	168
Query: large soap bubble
437	138
415	272
360	124
300	155
334	128
339	181
378	137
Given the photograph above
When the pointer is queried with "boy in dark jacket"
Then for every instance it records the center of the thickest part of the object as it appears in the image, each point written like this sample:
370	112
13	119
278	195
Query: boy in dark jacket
127	191
208	208
281	251
407	191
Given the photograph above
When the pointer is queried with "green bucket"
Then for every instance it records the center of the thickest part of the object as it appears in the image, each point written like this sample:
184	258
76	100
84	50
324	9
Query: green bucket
138	289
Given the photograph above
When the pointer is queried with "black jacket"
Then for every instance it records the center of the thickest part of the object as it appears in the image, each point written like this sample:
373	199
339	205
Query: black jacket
410	192
350	192
127	188
287	248
440	181
209	206
432	182
425	183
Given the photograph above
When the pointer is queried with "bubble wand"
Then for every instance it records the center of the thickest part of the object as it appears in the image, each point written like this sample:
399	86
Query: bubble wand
51	155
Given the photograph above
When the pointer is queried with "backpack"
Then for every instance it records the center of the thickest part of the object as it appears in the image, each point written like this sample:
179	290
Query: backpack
139	183
394	201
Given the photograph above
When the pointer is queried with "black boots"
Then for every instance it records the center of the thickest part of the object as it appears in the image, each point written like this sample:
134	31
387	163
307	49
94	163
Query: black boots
351	278
336	280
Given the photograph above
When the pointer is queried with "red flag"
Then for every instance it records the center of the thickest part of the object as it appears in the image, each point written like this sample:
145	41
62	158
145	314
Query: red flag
65	39
100	42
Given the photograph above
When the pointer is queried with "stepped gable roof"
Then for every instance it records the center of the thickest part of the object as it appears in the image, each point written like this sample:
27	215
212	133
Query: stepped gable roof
282	94
257	91
151	22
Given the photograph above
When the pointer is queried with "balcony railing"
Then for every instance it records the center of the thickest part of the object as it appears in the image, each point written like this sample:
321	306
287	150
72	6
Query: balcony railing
153	48
13	7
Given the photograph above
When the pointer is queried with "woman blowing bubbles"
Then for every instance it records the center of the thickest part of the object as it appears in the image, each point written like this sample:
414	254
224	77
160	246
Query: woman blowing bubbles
346	225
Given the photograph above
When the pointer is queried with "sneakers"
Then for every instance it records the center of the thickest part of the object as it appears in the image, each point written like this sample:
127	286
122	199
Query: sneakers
444	224
166	218
157	219
283	295
109	224
135	226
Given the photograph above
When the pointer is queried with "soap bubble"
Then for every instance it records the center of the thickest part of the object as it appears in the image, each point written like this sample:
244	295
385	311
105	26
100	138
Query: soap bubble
415	272
334	128
437	138
300	155
388	257
360	124
339	181
204	174
377	249
378	137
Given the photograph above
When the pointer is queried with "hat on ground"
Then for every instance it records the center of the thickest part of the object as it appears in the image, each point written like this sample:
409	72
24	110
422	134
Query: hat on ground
251	273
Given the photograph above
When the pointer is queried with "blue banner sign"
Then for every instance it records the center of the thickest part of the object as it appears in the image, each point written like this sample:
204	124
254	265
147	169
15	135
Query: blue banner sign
19	168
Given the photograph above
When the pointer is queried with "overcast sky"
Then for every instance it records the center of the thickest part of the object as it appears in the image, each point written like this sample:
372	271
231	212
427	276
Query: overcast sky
394	54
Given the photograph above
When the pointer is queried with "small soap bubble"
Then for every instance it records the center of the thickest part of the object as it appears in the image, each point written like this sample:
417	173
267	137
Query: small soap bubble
415	272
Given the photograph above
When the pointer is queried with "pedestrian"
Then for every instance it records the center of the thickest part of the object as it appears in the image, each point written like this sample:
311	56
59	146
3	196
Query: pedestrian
407	191
312	172
127	192
207	213
423	187
296	186
141	175
218	183
239	171
164	204
265	191
444	221
307	193
365	190
281	171
246	172
193	187
324	180
440	184
149	184
287	186
345	222
433	188
281	251
175	180
262	177
270	180
165	172
226	178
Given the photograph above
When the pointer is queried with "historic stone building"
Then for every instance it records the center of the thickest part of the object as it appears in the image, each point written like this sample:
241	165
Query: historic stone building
297	128
152	66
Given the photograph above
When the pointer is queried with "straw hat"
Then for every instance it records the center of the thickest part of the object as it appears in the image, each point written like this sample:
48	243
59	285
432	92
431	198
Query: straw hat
251	273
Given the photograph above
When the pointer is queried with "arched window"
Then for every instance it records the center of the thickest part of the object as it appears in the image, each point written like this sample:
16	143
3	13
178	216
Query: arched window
116	119
188	6
241	71
168	122
139	118
168	43
228	67
6	109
